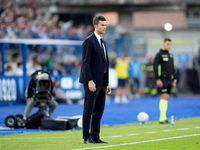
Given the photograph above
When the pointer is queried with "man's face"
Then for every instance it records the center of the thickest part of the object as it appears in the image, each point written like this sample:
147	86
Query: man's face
167	45
101	27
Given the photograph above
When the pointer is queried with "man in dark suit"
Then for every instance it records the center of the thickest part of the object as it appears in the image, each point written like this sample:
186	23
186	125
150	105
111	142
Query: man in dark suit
94	76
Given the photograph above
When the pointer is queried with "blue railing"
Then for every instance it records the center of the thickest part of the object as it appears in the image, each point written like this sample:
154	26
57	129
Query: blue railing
12	88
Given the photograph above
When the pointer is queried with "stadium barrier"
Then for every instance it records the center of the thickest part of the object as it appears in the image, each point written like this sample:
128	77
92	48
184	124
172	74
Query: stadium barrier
12	88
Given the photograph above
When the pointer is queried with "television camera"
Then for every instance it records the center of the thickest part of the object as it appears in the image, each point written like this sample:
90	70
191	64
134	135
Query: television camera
42	92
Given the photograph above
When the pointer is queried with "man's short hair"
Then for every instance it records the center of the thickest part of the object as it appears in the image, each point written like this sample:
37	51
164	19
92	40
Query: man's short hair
15	55
167	39
97	19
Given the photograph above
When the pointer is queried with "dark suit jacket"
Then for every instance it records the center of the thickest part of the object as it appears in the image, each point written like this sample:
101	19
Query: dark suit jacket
93	62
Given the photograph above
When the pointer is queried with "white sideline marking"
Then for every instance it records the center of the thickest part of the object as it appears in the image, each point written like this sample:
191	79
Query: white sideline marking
197	127
37	138
114	136
151	132
183	129
133	134
167	130
147	141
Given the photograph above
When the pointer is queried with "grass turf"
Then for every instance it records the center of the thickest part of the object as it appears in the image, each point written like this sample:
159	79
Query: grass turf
185	135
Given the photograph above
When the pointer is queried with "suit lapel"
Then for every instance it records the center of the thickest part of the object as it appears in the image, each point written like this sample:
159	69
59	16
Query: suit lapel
99	47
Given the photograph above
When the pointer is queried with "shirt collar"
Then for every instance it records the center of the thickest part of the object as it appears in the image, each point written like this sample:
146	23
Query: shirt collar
98	37
166	51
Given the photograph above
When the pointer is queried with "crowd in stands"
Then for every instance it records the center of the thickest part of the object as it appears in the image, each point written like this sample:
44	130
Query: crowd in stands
22	22
14	67
19	22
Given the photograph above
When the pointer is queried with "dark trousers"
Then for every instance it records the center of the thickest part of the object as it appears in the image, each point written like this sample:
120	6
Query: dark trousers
93	110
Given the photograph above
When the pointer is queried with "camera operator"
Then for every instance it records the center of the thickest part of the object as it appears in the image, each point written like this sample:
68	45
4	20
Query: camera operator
30	94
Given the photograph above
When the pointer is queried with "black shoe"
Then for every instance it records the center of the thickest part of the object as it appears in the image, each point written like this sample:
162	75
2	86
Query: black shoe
164	122
99	141
89	141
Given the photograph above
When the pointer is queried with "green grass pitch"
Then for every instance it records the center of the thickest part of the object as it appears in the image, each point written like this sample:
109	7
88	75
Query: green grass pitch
185	135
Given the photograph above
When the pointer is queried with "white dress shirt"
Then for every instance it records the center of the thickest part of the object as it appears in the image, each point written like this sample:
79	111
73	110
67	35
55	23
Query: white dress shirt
99	38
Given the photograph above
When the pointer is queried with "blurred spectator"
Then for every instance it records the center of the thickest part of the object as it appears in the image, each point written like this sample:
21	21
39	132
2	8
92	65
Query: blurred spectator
10	30
81	32
66	27
34	66
3	31
33	5
56	69
51	61
119	35
21	26
63	71
59	94
134	75
73	34
150	88
19	70
70	64
55	20
12	64
121	68
42	32
8	71
89	30
77	67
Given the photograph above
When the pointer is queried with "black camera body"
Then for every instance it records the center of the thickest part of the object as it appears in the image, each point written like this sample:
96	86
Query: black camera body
40	89
42	93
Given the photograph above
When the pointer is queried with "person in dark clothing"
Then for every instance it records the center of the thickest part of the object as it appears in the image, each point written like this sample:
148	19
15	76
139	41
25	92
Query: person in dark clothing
150	88
94	76
165	77
31	93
